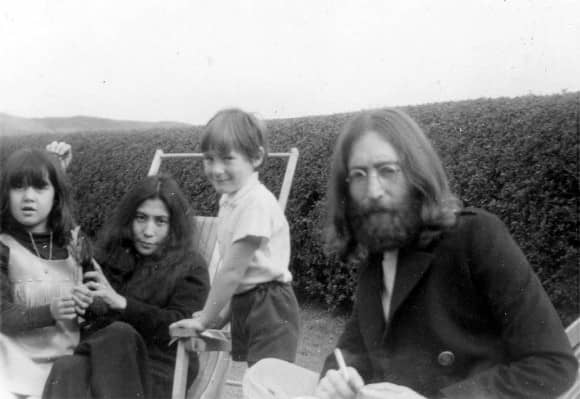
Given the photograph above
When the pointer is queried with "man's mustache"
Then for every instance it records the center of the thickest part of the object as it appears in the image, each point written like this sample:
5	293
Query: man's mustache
374	209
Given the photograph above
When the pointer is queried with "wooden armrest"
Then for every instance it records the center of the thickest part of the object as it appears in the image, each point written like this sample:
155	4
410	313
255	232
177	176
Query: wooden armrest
205	344
214	364
206	341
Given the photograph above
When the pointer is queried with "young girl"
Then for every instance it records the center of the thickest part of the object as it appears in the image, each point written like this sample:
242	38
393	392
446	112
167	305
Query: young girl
38	311
254	241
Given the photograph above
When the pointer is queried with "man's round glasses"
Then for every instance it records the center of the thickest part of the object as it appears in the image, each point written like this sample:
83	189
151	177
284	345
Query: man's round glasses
386	174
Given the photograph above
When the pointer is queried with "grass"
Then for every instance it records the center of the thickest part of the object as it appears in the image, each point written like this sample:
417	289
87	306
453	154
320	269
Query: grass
320	331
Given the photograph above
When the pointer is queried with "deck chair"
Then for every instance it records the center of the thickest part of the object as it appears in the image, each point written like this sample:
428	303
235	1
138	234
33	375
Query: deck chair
573	332
215	362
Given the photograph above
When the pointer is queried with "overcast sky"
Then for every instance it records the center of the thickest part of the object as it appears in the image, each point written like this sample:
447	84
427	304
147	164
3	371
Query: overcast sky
182	60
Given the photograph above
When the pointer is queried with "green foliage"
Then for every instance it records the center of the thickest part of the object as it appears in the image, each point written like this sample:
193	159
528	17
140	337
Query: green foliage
515	157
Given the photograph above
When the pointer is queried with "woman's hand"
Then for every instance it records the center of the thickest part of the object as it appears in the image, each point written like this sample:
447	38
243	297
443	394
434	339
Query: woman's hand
63	308
100	287
83	298
334	385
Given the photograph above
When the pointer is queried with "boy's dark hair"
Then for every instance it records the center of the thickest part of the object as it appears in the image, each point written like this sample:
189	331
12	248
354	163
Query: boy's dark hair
30	167
234	129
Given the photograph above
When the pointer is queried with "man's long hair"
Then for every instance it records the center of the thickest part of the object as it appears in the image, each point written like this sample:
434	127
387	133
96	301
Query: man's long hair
420	164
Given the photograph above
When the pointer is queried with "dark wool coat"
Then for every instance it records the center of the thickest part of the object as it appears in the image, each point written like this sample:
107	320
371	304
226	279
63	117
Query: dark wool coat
468	319
158	292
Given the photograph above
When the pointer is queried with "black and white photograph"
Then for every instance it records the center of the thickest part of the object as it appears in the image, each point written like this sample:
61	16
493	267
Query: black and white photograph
276	199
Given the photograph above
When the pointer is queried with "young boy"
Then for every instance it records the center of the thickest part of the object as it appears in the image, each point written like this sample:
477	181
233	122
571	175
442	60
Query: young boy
254	240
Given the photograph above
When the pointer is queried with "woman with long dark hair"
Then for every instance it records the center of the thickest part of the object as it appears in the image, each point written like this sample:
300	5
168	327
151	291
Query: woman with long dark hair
147	276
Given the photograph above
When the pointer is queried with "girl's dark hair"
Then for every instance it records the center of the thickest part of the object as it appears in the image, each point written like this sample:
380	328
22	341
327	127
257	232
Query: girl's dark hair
116	238
420	164
234	129
30	167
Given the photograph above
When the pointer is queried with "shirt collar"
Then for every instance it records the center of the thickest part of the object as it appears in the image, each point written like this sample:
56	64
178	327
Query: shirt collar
232	199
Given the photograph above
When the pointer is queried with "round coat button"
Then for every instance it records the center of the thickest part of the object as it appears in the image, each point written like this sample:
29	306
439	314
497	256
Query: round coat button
446	358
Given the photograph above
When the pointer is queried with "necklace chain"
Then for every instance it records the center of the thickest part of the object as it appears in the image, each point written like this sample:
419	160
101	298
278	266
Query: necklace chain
36	249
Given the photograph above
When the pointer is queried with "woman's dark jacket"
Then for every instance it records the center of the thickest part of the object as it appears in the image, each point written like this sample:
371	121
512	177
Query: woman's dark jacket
159	291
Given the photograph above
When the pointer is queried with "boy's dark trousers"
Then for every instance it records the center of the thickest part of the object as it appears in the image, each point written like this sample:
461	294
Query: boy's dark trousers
265	323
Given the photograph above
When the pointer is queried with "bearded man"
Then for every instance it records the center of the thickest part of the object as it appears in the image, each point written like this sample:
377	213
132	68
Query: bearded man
447	304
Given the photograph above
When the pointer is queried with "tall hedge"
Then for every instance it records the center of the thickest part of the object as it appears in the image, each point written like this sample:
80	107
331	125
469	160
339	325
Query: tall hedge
515	157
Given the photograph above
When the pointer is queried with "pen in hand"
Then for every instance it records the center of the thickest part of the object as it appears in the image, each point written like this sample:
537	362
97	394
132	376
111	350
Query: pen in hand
343	370
341	363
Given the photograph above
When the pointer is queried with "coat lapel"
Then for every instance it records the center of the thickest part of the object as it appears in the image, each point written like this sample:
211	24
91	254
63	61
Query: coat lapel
370	308
411	266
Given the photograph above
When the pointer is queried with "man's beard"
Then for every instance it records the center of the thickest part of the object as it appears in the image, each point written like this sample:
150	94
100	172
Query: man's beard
378	228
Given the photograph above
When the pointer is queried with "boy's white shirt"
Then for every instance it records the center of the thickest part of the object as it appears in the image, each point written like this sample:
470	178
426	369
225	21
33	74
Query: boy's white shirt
254	211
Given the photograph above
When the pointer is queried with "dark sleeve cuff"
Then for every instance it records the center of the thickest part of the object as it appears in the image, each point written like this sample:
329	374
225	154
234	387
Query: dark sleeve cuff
42	315
132	311
36	317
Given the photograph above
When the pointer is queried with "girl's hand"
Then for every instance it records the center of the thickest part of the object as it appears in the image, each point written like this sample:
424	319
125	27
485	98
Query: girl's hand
83	298
335	385
63	151
63	308
100	287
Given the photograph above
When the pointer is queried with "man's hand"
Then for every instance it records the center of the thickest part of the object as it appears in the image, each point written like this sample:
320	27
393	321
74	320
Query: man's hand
63	151
334	385
389	390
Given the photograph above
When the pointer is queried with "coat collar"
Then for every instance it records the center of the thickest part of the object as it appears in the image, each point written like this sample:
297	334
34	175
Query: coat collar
411	266
369	301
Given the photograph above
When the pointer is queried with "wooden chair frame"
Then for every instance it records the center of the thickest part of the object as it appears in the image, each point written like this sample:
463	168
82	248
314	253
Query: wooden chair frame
214	365
292	160
573	332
